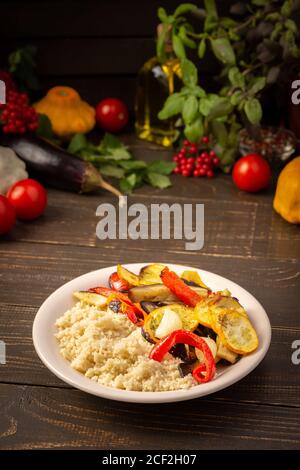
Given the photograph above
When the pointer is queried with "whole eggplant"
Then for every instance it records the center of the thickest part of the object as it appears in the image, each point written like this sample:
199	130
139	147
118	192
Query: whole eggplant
55	166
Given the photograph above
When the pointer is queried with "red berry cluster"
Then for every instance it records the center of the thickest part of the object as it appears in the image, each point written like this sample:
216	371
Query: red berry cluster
194	161
17	116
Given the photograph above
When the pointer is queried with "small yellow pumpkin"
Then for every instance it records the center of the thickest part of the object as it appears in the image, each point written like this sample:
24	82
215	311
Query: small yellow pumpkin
67	112
287	197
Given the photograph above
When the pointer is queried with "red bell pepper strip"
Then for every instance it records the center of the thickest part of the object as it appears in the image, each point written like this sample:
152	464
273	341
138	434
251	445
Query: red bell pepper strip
176	285
116	283
202	373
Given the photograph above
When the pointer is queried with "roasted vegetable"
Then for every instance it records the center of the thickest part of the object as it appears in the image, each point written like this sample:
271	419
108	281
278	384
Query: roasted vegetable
55	166
116	283
224	353
115	305
236	332
68	113
185	369
91	298
150	274
179	288
184	318
152	293
202	373
149	306
193	276
128	276
212	346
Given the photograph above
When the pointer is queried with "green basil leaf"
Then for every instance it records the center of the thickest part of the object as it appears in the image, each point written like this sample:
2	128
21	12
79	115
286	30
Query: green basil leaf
291	25
185	39
158	181
236	98
253	111
133	165
207	103
223	50
220	133
184	8
190	109
111	170
77	143
162	15
221	108
210	7
119	154
161	43
162	167
128	183
178	46
202	48
258	84
172	106
236	78
110	141
194	130
189	73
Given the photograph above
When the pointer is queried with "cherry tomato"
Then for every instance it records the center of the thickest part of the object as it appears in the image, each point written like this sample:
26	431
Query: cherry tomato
29	198
7	215
111	114
251	173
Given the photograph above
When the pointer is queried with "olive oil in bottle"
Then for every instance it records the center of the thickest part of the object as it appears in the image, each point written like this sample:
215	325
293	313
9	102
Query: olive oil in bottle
155	83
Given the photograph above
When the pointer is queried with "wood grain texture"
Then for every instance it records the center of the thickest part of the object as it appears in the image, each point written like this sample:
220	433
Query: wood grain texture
31	272
72	419
275	381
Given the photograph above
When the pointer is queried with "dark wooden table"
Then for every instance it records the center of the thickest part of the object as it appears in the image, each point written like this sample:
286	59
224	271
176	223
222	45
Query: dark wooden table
244	241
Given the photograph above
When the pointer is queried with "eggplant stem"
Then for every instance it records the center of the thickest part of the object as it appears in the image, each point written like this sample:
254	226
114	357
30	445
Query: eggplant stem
110	188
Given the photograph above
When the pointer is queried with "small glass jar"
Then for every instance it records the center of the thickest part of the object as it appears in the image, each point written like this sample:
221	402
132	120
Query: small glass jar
277	144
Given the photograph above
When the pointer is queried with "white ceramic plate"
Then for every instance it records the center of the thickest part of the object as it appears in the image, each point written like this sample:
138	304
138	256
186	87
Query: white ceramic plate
61	300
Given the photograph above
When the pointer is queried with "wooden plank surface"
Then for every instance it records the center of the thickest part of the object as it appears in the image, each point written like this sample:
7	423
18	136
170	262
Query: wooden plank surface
244	241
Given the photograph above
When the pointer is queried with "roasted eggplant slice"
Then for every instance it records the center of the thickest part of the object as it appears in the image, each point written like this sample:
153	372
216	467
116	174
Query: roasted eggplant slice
193	276
146	336
185	369
153	293
128	276
97	300
115	305
149	306
150	274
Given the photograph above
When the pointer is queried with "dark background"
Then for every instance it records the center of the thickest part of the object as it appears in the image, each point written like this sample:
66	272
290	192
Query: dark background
94	46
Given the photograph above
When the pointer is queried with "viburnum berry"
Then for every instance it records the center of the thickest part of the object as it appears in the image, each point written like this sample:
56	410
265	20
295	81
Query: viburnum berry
205	139
17	116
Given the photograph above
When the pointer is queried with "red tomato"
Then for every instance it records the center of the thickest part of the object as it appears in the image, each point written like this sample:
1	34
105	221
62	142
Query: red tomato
111	114
29	199
7	215
251	173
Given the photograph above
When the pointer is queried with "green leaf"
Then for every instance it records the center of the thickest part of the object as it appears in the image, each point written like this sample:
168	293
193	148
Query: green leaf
223	50
161	43
178	46
236	78
258	83
172	106
184	8
210	7
253	111
236	98
291	25
162	167
128	183
133	165
158	181
119	154
77	143
185	39
260	3
190	109
44	127
221	108
207	103
202	48
193	90
220	133
194	130
111	141
189	73
111	170
286	8
162	15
